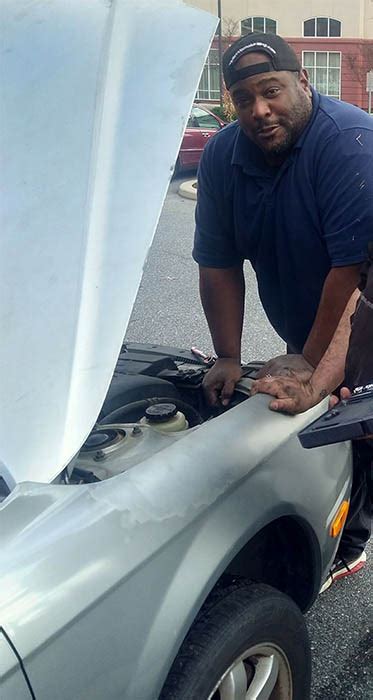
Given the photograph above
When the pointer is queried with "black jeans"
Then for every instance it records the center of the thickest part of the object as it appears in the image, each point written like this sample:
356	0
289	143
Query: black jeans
359	371
357	530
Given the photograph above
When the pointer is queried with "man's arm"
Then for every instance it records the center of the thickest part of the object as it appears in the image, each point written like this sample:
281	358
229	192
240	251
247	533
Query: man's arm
223	298
338	288
343	193
222	294
222	287
330	371
339	285
294	395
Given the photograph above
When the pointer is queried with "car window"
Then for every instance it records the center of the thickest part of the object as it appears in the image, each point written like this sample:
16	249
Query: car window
202	119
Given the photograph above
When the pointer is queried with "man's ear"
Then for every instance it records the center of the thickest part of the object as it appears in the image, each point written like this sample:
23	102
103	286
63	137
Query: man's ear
305	81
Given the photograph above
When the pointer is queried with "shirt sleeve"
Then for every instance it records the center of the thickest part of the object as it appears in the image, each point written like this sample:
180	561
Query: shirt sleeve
214	244
345	195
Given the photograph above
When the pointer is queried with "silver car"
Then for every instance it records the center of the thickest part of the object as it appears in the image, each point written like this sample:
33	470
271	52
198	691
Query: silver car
149	547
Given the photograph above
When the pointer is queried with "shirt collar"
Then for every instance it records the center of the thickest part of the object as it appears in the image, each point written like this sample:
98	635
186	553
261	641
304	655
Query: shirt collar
249	156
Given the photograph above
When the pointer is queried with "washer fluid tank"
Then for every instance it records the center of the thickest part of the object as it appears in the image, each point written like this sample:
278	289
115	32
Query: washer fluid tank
165	417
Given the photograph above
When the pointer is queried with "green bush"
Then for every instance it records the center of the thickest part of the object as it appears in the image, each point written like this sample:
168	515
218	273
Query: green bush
226	112
219	111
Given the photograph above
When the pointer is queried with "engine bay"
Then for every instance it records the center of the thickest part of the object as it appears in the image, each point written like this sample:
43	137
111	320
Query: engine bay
155	396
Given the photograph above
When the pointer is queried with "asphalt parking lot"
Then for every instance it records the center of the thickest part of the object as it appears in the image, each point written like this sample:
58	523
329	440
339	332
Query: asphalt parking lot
168	310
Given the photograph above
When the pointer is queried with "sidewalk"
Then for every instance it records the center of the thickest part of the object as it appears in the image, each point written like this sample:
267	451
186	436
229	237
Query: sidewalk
188	189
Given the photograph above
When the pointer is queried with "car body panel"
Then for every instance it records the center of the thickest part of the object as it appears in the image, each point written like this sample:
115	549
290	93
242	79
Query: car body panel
13	684
77	139
134	557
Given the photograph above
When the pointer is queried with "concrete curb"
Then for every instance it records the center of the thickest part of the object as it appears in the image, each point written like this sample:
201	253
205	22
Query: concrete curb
188	189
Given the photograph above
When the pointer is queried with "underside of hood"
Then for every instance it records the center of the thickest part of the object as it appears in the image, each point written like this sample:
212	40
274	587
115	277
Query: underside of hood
95	99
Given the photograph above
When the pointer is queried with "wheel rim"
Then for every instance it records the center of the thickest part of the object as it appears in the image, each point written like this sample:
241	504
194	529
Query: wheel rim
260	673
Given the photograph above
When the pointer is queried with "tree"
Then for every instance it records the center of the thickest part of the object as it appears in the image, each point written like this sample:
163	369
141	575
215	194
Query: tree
230	27
361	63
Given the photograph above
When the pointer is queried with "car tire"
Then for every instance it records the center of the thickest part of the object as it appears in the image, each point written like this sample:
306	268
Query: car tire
246	637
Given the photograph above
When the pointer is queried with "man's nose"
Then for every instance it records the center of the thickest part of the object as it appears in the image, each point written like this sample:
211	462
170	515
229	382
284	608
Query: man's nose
261	108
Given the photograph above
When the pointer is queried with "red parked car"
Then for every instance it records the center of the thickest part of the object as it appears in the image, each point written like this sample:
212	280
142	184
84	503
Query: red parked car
202	124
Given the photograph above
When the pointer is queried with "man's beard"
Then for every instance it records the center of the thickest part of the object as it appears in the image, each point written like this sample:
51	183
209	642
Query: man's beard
293	127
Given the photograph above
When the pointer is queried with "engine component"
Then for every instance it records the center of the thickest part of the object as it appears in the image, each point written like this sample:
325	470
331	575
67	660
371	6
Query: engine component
134	411
127	388
151	359
112	449
165	417
160	412
100	440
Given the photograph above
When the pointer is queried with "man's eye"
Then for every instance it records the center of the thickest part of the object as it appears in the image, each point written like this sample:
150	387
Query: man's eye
243	102
272	92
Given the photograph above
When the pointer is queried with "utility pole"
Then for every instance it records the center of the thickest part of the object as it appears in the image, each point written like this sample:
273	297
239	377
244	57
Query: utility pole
370	90
220	52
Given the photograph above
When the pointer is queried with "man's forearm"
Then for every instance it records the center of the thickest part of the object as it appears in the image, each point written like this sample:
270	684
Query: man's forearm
329	373
339	285
222	295
295	395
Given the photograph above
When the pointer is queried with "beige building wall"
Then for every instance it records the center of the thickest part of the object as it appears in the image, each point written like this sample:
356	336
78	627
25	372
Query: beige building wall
368	11
356	15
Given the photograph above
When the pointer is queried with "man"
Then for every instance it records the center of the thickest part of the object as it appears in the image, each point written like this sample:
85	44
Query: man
289	187
349	358
292	395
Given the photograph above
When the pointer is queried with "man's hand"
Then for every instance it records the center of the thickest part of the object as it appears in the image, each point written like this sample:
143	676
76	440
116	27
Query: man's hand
287	366
344	394
293	394
220	381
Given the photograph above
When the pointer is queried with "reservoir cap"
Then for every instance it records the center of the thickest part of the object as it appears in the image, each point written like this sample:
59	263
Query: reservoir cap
160	412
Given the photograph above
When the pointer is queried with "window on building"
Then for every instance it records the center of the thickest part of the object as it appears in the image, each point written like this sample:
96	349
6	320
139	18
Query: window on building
208	88
324	69
322	26
258	24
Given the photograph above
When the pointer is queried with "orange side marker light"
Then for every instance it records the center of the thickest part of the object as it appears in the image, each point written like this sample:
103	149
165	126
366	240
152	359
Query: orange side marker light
340	519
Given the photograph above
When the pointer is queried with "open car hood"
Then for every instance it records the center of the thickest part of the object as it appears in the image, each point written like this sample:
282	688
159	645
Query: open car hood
95	99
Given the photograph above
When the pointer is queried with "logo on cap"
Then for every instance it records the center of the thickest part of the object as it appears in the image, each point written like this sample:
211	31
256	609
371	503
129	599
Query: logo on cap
245	49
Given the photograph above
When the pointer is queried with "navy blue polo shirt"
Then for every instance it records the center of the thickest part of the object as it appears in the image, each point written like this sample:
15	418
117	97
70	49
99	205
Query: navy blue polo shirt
293	223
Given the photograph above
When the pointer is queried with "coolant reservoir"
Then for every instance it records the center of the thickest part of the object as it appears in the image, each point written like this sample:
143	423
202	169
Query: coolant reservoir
165	417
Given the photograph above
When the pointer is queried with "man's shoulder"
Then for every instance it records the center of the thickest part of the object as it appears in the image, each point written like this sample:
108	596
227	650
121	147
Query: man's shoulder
221	145
336	116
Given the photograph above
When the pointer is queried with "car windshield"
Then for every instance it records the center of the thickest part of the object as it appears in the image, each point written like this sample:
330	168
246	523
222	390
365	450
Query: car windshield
203	119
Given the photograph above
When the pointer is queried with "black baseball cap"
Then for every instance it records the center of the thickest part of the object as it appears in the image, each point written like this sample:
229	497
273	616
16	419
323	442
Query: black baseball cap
281	55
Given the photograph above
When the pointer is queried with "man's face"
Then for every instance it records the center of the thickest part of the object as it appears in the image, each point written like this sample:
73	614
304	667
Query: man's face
273	108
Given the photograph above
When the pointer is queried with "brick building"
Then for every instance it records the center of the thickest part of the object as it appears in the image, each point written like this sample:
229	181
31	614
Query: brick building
333	39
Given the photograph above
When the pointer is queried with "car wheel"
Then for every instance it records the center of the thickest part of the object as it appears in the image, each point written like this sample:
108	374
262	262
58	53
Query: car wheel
249	642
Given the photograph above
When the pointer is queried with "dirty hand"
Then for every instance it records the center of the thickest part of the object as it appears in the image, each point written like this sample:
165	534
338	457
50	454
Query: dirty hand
286	366
220	380
343	395
292	394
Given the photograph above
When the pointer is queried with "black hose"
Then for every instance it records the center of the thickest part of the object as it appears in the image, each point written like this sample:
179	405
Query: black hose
132	412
